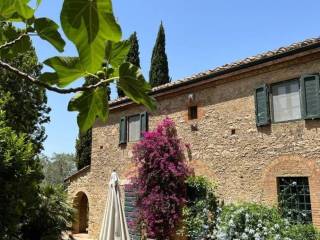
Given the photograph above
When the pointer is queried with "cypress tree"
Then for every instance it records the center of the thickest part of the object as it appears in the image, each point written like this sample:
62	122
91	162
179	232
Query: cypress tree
159	71
132	57
84	141
83	149
26	108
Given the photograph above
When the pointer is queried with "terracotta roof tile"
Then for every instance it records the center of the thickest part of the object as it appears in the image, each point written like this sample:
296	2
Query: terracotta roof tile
236	64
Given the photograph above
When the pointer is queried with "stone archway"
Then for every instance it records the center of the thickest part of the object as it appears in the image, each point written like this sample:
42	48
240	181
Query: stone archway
81	205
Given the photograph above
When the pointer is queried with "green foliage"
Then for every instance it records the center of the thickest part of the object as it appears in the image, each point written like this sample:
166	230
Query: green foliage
302	231
20	175
116	52
83	149
67	69
9	33
15	9
90	104
132	56
90	30
48	30
28	211
254	221
199	214
250	221
58	167
133	84
49	217
26	108
159	70
84	140
96	35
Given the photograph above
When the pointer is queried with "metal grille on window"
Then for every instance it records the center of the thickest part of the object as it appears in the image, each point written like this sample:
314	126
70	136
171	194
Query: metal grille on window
294	199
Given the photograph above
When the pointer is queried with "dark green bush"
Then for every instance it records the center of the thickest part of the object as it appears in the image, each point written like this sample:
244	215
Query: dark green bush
49	217
199	214
301	232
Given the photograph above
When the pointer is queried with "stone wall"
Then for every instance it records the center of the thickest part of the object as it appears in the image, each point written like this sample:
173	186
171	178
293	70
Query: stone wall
227	147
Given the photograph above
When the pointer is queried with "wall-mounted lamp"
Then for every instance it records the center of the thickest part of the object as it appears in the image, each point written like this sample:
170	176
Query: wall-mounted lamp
191	98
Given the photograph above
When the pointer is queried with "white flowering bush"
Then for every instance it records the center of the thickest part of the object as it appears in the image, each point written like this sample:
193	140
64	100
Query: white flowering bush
258	222
249	222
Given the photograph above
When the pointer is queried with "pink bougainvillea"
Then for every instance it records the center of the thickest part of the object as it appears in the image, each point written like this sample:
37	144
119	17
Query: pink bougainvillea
162	172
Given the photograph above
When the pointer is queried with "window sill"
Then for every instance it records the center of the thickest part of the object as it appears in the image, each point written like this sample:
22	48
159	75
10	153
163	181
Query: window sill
288	121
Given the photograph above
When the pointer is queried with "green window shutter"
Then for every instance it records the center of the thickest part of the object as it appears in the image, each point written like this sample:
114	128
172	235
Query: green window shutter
143	122
123	130
262	105
310	97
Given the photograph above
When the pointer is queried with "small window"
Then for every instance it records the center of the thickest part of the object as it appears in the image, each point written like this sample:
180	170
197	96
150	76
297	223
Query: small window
134	128
193	112
294	199
286	101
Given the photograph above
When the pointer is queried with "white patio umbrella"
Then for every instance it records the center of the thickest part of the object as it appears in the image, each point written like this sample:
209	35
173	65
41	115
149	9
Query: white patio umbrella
114	224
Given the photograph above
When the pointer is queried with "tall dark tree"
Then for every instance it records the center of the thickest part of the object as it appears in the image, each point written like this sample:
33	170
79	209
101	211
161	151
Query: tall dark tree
159	70
20	176
84	140
83	149
25	202
132	57
26	109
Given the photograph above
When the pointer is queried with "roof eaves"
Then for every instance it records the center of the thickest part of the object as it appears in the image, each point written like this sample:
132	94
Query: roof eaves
281	52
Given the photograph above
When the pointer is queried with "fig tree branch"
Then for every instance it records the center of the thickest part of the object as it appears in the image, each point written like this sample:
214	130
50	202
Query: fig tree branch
52	88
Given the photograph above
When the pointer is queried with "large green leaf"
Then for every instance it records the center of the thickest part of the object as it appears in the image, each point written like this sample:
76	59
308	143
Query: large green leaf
89	24
38	3
68	69
116	52
15	9
23	9
48	30
90	105
49	77
133	84
7	9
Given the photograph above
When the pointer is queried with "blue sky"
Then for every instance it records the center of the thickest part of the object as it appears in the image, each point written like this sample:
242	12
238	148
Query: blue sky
200	35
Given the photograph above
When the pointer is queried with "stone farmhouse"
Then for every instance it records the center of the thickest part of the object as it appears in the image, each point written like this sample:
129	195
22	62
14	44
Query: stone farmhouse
252	125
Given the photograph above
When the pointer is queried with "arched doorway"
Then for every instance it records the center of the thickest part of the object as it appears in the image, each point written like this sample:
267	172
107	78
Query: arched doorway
81	205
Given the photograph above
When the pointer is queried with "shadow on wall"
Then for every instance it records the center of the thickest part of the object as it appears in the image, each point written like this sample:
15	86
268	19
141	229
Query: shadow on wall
313	124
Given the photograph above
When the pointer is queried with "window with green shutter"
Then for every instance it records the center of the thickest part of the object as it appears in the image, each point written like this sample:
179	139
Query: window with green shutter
143	123
310	96
123	131
262	105
133	127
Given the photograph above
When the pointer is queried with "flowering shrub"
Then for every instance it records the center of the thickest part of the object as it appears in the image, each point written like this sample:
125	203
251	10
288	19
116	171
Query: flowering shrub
162	173
258	222
249	221
199	214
